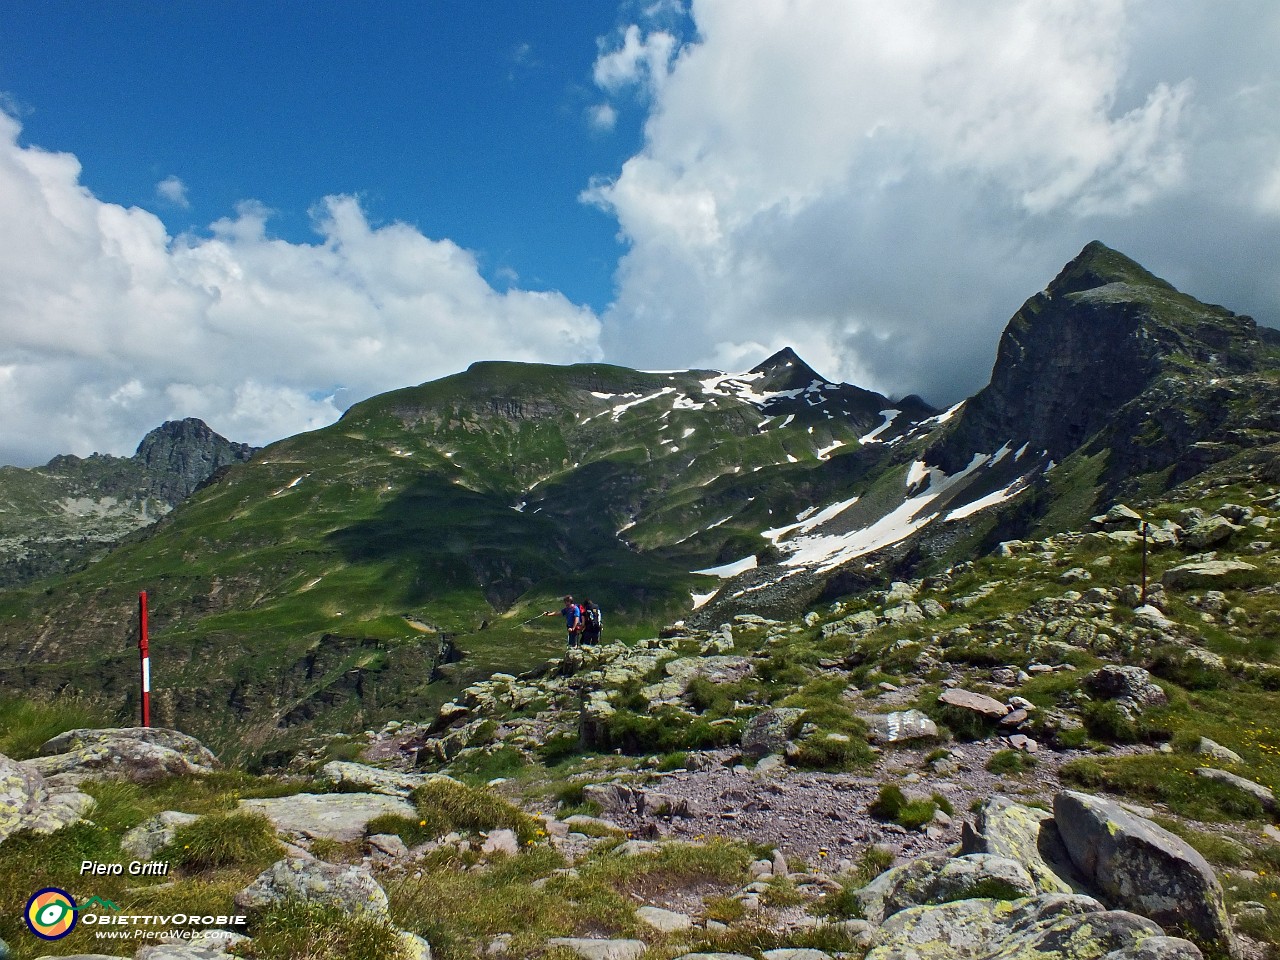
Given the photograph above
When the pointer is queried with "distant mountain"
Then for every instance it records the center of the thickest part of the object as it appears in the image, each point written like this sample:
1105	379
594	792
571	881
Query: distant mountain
60	516
314	584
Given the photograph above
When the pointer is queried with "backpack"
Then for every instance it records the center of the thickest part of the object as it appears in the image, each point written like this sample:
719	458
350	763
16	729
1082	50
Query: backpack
592	616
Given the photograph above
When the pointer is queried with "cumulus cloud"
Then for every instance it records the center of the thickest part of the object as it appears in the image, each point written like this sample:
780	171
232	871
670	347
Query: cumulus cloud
108	325
881	185
172	190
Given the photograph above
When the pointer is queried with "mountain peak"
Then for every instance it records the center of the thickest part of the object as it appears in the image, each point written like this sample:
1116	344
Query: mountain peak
1098	265
786	371
182	454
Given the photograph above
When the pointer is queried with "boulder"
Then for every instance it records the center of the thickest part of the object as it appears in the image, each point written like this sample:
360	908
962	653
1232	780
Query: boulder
27	802
939	878
1026	835
1256	790
350	888
502	842
1209	532
977	702
204	945
393	783
899	726
1217	751
1129	685
1142	867
770	730
144	840
909	612
1048	927
335	816
137	754
1205	573
861	622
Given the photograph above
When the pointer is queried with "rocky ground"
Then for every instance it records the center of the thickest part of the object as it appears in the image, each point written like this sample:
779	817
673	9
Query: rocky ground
1019	757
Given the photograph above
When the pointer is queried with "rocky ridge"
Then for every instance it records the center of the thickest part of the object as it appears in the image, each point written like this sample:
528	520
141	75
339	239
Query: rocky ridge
58	516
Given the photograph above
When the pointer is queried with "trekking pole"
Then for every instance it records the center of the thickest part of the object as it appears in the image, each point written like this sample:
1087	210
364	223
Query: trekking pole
533	618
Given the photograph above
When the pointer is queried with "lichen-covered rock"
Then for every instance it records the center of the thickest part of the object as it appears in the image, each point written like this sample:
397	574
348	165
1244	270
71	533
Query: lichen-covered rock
1142	867
335	816
348	887
1209	532
1024	834
899	726
146	838
619	798
768	731
28	803
137	754
1047	927
939	878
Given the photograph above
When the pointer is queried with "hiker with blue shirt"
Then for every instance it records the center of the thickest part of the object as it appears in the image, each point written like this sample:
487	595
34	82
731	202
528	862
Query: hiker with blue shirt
572	620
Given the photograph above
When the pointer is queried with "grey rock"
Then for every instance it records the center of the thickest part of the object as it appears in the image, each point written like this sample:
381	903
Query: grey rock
770	730
664	921
861	622
1130	684
904	613
1205	573
900	726
335	816
393	783
137	754
938	878
1140	866
1256	790
591	949
1217	751
348	887
1158	948
144	840
389	845
977	702
1025	835
28	802
1209	532
1049	927
501	842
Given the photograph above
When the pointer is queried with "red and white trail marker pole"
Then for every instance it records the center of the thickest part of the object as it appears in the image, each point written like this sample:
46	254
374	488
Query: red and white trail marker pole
146	659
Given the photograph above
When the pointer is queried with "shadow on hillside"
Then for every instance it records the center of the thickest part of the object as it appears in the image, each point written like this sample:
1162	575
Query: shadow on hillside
445	538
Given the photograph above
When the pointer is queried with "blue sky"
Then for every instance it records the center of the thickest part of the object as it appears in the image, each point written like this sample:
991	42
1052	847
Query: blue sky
257	213
465	119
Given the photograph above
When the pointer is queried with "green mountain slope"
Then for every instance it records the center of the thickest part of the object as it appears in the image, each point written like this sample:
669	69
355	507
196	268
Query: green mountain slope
282	590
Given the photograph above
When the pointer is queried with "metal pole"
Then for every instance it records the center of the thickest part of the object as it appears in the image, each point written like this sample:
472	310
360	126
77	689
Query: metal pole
146	658
1144	564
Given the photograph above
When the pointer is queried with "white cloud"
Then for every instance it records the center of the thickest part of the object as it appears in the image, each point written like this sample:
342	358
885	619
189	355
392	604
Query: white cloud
881	185
108	325
602	117
643	60
172	190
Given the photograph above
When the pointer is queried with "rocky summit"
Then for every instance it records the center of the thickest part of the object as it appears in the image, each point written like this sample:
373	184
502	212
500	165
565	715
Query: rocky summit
876	680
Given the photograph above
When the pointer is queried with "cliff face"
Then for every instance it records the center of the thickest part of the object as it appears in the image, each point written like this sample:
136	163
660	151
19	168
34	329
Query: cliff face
179	455
1100	335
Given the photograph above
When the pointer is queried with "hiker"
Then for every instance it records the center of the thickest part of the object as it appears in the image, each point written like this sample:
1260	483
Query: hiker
592	623
572	614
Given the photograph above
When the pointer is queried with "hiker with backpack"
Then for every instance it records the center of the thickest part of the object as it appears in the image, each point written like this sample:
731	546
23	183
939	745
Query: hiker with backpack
592	623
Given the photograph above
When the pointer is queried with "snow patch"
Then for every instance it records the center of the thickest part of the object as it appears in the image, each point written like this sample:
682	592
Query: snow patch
825	452
622	408
990	500
701	599
806	520
724	571
873	436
